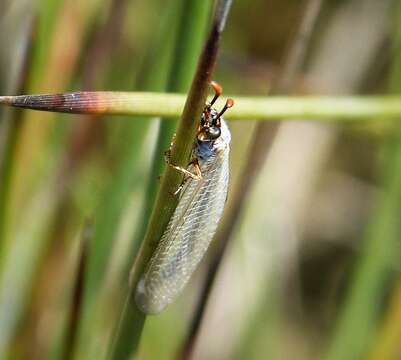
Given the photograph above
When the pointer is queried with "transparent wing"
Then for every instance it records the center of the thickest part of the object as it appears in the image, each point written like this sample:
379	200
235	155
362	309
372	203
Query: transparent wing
187	236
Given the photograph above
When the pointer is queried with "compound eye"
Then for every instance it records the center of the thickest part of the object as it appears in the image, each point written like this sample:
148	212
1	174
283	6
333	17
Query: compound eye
214	133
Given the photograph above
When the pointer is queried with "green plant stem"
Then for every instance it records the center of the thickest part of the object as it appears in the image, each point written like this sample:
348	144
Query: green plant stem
191	35
319	108
77	292
132	319
181	150
188	42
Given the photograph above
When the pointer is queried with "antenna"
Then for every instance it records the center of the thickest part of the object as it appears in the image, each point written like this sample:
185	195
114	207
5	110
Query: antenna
217	91
229	104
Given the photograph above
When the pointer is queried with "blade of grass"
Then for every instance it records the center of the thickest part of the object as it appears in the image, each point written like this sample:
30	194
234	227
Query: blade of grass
132	319
318	108
76	305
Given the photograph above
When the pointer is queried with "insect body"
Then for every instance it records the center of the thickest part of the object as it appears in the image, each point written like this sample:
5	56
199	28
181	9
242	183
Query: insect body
194	222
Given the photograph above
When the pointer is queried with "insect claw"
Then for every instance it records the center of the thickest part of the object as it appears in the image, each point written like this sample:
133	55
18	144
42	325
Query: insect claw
178	190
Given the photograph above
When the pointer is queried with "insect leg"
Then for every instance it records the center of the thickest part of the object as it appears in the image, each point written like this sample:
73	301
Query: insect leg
197	168
197	175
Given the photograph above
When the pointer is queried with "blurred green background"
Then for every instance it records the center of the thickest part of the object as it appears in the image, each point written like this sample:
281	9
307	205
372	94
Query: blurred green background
312	268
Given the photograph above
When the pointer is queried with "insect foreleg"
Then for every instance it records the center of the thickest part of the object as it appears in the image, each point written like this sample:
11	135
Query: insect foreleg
196	175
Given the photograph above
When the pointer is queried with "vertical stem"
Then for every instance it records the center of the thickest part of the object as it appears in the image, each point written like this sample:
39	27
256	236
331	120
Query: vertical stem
194	17
132	319
75	310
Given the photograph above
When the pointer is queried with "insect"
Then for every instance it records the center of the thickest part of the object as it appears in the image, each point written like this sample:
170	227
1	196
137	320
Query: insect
202	197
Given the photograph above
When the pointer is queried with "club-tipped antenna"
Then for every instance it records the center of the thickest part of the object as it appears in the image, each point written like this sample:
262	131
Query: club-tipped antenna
229	104
217	91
